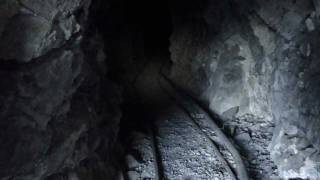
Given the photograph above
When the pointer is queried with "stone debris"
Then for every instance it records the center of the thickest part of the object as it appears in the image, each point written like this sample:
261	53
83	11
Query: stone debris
141	163
254	135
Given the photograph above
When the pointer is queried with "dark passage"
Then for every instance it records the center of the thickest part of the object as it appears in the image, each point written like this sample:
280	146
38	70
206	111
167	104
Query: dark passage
153	20
148	25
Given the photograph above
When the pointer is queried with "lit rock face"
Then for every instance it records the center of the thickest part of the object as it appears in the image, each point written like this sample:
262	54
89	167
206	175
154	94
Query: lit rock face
256	58
53	122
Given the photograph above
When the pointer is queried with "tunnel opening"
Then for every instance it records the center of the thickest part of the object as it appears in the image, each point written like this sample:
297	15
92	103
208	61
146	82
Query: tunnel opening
137	39
147	27
153	123
153	18
137	36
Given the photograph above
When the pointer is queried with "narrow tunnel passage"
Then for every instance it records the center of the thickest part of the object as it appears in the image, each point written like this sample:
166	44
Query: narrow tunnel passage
163	89
151	21
162	139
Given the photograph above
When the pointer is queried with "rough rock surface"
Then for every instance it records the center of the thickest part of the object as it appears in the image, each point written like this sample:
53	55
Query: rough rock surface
185	152
30	29
54	120
141	160
260	61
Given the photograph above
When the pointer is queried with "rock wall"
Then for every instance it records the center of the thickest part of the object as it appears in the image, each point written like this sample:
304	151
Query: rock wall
58	120
255	61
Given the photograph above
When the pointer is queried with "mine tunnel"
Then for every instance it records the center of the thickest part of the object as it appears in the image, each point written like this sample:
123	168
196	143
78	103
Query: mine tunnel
159	90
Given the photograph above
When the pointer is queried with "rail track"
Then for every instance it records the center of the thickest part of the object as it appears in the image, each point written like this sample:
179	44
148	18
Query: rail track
185	143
